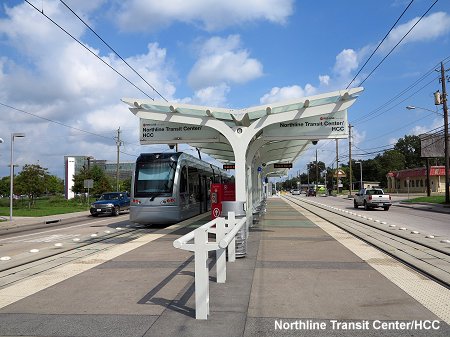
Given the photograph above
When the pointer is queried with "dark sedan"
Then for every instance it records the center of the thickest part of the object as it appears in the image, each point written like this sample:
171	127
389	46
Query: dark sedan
111	203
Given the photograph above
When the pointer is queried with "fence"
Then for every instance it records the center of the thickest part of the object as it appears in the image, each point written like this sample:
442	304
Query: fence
225	231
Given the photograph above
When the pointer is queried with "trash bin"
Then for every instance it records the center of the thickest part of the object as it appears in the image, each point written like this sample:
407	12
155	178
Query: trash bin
241	237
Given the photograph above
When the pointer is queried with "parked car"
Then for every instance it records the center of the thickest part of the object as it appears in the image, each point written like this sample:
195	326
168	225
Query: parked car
111	203
372	198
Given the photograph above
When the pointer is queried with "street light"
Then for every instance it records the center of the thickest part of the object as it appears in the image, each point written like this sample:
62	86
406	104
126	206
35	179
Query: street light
360	177
413	107
11	178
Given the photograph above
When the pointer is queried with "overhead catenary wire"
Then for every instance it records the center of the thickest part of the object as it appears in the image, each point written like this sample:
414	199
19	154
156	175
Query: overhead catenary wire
379	44
89	50
113	50
400	41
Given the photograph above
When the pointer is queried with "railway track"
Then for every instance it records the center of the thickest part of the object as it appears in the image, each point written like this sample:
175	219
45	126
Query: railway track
26	264
426	254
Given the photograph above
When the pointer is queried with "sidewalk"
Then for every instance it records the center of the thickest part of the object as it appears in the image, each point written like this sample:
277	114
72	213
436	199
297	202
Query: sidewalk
294	271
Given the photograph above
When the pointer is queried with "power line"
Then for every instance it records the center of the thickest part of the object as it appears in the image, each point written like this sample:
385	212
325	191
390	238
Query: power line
393	48
128	154
112	49
383	148
414	121
53	121
379	44
403	92
89	50
368	117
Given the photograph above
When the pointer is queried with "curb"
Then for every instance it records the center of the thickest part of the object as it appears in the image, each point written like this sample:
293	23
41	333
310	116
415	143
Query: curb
430	208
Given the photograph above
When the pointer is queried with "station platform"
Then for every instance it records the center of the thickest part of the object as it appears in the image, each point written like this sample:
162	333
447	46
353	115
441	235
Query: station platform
301	277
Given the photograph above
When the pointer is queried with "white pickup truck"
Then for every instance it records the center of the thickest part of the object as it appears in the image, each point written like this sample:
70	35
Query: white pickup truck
372	198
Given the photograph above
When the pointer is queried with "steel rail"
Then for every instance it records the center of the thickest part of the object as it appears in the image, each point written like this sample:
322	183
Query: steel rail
413	252
16	268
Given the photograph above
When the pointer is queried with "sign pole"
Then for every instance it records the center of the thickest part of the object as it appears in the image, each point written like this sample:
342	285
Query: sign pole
446	154
337	166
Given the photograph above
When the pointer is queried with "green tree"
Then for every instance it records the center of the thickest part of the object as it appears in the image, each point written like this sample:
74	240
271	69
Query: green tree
409	146
312	171
4	186
392	160
125	185
101	182
54	185
31	181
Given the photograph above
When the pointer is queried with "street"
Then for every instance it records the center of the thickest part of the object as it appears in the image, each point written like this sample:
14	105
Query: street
29	245
425	221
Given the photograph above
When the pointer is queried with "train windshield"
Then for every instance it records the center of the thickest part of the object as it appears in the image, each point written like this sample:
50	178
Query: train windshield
154	178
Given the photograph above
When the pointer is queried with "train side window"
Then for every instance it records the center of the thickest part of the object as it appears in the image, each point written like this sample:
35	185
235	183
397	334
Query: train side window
194	184
183	180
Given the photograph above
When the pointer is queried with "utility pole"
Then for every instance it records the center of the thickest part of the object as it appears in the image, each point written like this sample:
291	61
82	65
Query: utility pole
317	173
337	166
307	170
444	105
350	158
118	143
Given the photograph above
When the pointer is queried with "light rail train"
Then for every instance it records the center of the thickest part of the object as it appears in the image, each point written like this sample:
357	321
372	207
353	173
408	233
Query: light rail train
171	187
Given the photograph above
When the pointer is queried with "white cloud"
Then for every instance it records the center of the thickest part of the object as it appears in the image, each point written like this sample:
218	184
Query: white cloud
429	28
211	15
358	136
346	63
212	96
419	129
324	80
349	60
55	78
277	94
392	141
223	61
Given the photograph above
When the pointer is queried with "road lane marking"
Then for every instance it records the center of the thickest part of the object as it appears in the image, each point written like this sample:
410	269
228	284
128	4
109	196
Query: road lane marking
53	230
32	285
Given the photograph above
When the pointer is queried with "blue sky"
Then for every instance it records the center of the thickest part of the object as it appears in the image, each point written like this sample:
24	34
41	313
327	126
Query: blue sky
230	53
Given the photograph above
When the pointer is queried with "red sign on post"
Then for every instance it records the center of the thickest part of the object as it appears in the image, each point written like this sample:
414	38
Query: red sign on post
219	193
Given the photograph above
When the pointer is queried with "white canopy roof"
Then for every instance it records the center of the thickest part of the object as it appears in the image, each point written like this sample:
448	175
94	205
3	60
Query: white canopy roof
273	151
258	135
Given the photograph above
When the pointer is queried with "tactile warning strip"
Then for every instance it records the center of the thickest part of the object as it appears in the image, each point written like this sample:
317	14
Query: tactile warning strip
429	293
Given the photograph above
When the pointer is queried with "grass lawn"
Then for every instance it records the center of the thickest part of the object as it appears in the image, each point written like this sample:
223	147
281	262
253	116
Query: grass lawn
438	199
43	207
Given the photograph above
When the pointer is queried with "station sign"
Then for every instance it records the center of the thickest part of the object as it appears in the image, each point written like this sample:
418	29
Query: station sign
228	166
282	165
333	125
157	132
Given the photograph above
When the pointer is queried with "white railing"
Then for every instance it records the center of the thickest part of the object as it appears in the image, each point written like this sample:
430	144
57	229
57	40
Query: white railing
225	230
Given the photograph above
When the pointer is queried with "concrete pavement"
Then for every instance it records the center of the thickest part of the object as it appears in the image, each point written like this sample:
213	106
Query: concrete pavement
301	277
